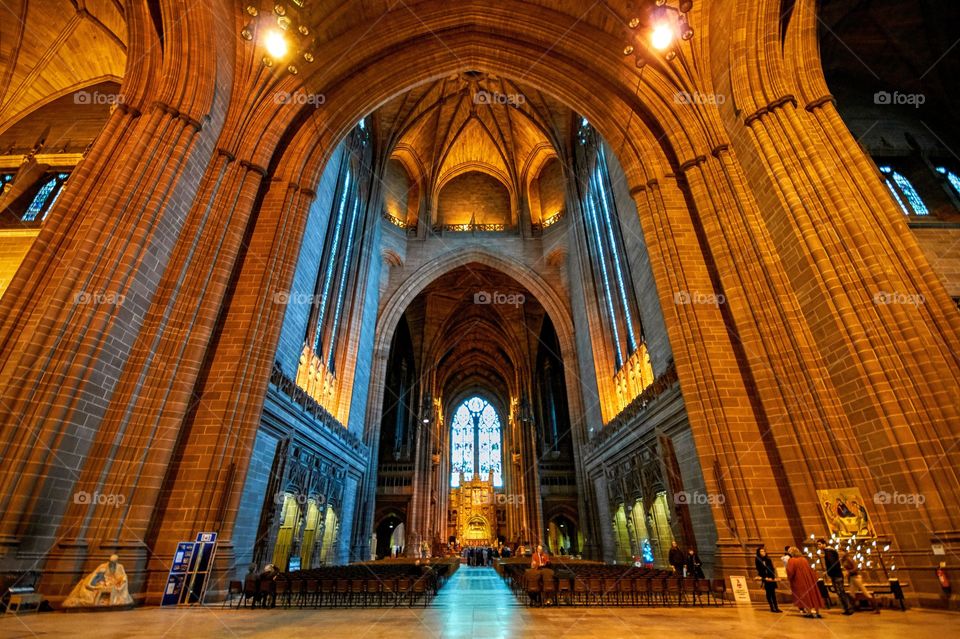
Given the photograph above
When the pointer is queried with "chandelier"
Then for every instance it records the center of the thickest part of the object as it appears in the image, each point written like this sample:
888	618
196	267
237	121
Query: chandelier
660	27
282	33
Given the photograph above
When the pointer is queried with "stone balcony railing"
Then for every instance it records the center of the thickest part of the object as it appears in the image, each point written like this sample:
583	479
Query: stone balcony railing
313	408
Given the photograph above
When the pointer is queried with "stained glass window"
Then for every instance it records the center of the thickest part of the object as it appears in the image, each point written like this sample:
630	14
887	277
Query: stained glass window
952	178
476	442
331	263
605	245
342	289
903	192
45	198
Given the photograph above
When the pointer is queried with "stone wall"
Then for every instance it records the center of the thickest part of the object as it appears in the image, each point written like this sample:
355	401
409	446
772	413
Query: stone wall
474	197
251	503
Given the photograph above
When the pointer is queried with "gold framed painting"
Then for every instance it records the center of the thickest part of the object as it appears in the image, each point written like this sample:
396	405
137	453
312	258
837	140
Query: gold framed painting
846	512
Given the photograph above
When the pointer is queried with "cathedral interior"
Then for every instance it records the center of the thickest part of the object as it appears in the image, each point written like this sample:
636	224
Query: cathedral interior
379	282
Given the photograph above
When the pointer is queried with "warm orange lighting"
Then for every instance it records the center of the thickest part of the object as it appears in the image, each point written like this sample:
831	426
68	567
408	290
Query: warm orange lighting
662	36
276	44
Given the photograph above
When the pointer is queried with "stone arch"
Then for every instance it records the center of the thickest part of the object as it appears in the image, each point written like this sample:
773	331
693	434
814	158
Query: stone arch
394	308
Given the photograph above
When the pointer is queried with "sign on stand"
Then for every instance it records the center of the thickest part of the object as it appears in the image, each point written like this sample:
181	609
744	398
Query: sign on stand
190	571
741	593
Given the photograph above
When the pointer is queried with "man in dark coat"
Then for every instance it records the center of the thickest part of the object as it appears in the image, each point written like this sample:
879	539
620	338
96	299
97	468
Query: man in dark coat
831	565
676	559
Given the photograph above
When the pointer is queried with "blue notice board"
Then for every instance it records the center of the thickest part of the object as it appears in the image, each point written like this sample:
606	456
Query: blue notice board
189	570
178	573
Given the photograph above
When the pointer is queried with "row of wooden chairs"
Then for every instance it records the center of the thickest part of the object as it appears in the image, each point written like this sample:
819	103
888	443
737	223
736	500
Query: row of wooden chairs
342	592
624	590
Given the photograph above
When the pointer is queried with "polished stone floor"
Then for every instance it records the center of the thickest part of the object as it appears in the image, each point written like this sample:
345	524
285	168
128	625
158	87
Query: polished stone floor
476	604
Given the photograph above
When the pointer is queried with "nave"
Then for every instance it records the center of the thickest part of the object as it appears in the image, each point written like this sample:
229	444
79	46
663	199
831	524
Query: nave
476	603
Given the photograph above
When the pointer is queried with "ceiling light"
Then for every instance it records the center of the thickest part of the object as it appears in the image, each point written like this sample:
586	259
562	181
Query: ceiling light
276	44
662	36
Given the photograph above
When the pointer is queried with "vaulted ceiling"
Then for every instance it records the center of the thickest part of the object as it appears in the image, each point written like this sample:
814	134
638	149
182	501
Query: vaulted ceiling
473	121
467	345
51	48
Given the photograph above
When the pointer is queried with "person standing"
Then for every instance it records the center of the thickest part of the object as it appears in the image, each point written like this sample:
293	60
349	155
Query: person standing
768	576
676	559
803	585
856	581
785	557
694	565
831	564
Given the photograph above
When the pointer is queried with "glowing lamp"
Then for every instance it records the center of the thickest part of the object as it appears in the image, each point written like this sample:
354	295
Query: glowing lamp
662	36
276	44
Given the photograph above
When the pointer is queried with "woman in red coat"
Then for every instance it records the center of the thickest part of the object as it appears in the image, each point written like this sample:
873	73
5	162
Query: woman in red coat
803	584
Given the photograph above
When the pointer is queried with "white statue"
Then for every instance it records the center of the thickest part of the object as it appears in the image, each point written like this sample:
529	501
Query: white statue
373	547
105	586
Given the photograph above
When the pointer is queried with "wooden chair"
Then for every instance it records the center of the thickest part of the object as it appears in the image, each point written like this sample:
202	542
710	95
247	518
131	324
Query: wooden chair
595	589
719	589
548	590
625	591
611	591
234	588
357	592
249	593
642	589
581	591
266	592
659	590
372	592
563	591
419	590
403	589
388	591
283	589
342	592
309	592
328	592
701	589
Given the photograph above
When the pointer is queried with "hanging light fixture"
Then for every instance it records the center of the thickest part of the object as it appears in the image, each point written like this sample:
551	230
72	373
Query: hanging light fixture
659	28
282	33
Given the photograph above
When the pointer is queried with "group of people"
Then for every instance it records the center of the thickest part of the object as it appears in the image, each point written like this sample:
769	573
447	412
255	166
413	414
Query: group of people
685	564
840	569
484	555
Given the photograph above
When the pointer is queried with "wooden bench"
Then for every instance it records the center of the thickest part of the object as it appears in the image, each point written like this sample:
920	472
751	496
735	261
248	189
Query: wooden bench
20	599
892	587
19	589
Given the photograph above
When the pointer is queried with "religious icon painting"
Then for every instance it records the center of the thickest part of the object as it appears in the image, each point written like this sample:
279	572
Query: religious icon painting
846	512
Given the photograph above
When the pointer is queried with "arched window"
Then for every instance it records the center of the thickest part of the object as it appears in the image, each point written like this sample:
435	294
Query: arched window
903	192
952	178
476	442
605	246
46	197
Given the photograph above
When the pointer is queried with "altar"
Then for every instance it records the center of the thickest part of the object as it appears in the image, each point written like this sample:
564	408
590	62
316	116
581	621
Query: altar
473	512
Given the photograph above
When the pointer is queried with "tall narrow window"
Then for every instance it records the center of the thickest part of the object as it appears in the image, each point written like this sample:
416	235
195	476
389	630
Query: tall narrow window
476	443
342	287
330	255
605	247
952	178
903	192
